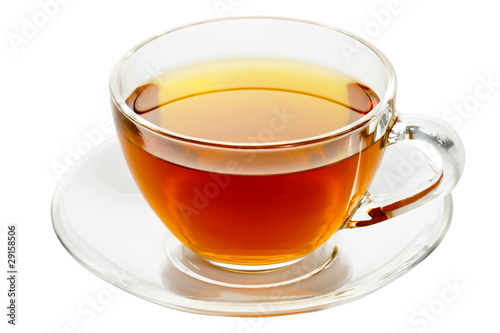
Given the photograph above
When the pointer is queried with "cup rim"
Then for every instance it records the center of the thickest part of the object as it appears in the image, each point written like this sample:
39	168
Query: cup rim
119	101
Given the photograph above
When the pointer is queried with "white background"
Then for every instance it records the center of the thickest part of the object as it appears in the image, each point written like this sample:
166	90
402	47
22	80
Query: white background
53	86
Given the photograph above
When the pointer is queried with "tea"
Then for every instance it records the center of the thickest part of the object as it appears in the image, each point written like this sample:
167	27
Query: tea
250	218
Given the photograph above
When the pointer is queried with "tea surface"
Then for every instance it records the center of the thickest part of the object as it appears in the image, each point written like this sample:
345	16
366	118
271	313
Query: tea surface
252	100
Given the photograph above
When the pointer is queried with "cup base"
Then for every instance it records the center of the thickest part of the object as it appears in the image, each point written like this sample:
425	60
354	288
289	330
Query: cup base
253	268
248	276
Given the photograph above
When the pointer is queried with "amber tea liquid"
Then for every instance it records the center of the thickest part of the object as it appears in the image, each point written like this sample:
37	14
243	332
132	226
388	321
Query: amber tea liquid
245	218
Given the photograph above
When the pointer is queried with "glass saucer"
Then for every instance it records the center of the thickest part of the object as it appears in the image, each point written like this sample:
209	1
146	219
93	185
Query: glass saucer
103	221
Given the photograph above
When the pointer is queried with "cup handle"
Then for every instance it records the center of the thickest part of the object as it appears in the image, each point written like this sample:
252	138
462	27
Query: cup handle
449	150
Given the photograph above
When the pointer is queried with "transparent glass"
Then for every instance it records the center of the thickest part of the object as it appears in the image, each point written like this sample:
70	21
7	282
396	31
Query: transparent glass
386	166
353	151
135	252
